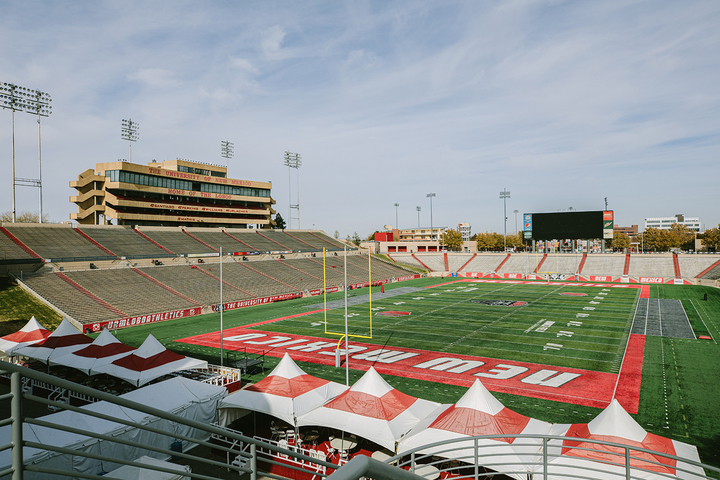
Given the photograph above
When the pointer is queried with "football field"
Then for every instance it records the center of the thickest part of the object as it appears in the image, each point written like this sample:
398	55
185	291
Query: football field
558	352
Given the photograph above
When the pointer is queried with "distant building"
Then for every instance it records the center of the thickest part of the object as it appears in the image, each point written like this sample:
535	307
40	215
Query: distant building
664	223
630	231
170	193
464	229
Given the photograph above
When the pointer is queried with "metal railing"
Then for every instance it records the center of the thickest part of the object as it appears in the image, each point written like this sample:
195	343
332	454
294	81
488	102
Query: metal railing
521	456
16	466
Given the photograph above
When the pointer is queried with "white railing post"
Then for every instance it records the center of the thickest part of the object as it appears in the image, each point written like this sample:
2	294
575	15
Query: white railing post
17	425
545	460
477	466
253	461
627	463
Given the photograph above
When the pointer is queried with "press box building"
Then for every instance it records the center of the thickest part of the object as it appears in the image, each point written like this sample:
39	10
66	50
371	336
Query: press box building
170	193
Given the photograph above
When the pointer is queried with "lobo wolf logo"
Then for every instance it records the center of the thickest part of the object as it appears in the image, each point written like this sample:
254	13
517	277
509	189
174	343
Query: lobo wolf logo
500	303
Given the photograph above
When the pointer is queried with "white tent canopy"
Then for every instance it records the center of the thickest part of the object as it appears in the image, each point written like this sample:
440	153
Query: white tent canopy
614	424
65	339
30	334
478	412
373	410
286	393
180	396
104	349
150	361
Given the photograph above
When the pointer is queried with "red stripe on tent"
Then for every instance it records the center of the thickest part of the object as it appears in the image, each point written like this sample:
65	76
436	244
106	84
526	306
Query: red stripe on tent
287	387
628	389
585	387
386	407
22	337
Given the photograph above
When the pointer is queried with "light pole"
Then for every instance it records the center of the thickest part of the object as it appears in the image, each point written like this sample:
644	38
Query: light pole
227	151
396	216
292	160
430	196
418	210
505	195
130	133
26	100
516	212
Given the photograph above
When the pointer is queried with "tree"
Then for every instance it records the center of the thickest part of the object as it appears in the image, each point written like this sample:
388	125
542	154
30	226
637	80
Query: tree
489	241
279	222
452	239
711	238
356	239
620	241
654	239
23	217
680	236
336	235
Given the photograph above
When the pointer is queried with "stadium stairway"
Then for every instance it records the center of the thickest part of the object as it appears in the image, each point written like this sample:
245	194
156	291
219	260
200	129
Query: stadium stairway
502	263
626	268
445	258
676	265
582	264
466	263
542	260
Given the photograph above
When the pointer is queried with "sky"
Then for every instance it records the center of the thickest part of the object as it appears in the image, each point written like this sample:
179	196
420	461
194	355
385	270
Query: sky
561	103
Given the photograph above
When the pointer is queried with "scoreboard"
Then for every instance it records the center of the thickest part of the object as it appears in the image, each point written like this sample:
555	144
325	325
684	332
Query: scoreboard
568	225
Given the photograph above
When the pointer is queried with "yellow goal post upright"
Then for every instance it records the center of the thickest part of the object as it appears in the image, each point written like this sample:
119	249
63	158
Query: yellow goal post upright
325	309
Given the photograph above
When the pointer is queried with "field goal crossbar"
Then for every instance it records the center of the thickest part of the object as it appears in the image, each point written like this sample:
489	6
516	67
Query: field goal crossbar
325	309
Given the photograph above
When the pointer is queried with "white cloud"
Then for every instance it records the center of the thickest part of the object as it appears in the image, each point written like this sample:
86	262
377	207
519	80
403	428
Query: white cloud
154	77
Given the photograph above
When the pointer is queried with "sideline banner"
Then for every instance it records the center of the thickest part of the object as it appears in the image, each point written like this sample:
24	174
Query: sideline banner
141	320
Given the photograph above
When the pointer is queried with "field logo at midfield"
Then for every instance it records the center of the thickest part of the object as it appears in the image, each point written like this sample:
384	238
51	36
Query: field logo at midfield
500	303
560	384
574	294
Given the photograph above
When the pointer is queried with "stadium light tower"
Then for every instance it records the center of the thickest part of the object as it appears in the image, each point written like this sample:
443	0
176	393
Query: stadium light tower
505	195
16	98
227	150
292	160
430	196
418	210
396	215
130	133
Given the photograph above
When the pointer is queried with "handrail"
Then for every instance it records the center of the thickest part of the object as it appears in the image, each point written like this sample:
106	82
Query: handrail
542	454
17	420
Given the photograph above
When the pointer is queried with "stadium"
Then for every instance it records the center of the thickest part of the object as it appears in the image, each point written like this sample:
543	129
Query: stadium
558	339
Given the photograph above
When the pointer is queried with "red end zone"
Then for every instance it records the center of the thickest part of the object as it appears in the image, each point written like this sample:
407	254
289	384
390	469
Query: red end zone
569	385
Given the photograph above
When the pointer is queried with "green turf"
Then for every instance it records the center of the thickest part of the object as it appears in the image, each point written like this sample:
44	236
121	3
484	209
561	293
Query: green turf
17	307
683	373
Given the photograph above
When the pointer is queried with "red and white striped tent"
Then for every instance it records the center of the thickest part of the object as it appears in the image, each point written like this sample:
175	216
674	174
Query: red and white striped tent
30	334
614	424
104	349
373	410
65	339
150	361
287	393
479	413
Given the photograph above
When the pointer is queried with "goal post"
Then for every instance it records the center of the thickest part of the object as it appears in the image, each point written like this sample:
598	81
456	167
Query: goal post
357	325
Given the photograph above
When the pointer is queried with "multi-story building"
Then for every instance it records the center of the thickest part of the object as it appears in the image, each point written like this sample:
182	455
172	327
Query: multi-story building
170	193
464	229
630	231
420	234
664	223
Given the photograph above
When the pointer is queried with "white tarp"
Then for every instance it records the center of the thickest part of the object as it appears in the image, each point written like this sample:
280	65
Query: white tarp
104	349
30	334
65	339
127	472
373	410
614	424
478	412
180	396
150	361
286	393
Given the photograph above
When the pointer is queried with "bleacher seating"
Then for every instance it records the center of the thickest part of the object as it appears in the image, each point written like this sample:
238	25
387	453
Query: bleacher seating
520	263
693	265
52	241
249	279
175	240
68	299
485	262
288	241
122	241
128	291
561	264
217	239
652	266
434	261
317	240
609	264
193	283
9	250
256	240
456	261
713	274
